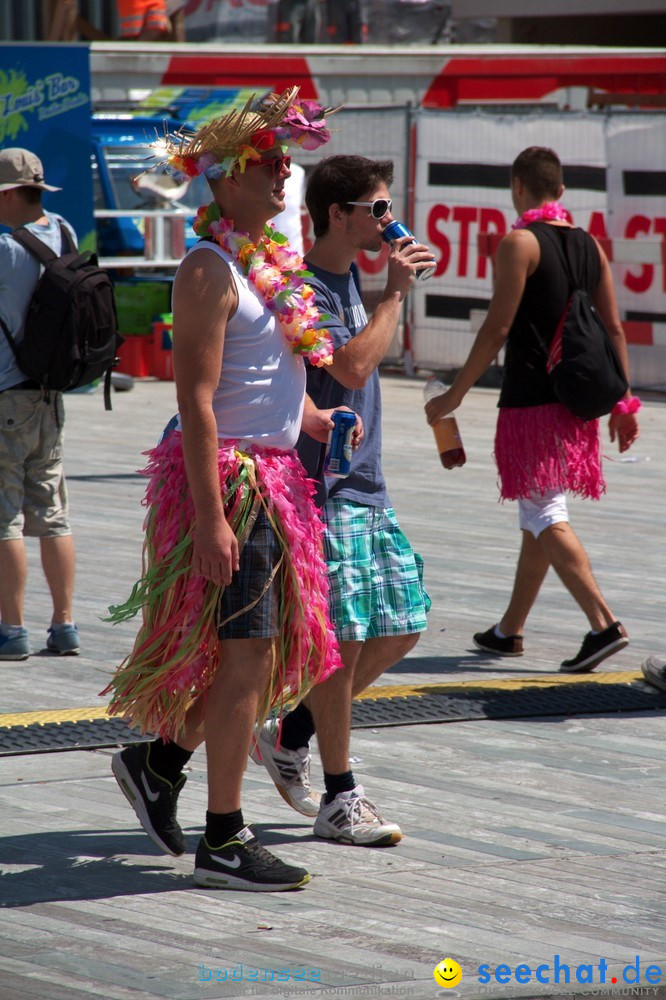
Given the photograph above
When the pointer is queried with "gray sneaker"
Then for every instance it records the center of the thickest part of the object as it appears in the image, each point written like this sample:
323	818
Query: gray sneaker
289	769
242	863
63	639
654	672
15	647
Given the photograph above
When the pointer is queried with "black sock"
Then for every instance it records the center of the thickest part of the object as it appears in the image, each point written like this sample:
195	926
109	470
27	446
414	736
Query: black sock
220	827
336	783
297	728
168	759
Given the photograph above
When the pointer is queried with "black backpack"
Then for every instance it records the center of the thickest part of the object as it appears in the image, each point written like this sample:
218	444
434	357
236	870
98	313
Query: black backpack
582	364
71	331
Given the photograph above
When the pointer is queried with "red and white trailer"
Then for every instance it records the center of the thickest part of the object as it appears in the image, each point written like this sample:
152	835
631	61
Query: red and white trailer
453	118
429	77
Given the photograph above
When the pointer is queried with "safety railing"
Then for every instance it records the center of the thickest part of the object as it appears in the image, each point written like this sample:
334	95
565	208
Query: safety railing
163	232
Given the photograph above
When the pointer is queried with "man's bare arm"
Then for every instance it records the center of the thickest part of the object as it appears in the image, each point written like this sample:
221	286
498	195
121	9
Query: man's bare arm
354	363
517	257
623	426
204	298
606	304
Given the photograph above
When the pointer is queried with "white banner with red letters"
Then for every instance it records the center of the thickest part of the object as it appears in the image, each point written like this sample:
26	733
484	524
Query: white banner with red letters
636	155
615	188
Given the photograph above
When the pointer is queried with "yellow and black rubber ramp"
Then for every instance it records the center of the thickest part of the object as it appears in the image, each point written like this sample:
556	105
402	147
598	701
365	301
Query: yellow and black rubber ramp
383	705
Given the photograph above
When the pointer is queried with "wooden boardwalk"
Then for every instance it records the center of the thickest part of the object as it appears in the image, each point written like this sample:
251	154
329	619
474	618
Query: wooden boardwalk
524	839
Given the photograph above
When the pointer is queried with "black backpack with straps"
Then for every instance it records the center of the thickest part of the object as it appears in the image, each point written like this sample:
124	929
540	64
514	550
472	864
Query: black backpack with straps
582	364
70	337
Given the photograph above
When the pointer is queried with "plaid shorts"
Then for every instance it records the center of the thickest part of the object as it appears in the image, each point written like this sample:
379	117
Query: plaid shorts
375	577
251	587
33	499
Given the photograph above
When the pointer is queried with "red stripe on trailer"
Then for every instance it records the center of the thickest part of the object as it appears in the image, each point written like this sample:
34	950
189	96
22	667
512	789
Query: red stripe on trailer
533	78
637	332
263	72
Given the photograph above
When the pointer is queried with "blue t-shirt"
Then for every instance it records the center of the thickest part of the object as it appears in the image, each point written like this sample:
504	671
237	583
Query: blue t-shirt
19	274
337	295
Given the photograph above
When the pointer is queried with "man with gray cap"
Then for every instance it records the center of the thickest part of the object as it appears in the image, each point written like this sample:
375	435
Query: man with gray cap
33	493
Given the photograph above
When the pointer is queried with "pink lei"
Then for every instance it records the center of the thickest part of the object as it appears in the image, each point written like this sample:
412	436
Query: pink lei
176	652
552	211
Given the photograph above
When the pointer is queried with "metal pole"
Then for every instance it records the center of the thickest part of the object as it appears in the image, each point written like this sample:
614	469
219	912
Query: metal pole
6	22
410	173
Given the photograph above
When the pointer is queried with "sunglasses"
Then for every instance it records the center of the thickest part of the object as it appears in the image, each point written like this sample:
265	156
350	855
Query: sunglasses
378	208
275	162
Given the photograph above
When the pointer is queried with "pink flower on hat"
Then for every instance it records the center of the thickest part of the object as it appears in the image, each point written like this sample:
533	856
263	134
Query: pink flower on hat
305	125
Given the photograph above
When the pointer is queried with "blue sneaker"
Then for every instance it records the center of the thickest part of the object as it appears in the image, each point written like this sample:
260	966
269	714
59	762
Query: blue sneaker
15	647
63	639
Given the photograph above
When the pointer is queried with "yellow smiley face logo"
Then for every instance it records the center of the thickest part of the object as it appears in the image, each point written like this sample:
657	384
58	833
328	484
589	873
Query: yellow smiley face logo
448	973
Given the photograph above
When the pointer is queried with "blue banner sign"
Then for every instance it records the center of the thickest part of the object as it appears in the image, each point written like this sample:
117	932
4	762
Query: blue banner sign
45	107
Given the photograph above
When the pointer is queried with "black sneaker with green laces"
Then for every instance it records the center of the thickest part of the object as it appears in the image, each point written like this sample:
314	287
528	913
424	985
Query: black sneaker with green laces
242	863
154	799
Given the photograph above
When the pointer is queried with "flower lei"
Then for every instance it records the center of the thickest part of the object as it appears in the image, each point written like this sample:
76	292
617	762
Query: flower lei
552	210
277	272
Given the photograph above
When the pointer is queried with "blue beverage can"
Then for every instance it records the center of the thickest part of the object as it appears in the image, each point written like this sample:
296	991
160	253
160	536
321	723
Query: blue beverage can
337	463
394	231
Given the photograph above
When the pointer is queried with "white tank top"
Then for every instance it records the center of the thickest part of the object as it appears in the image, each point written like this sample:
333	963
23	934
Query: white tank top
260	395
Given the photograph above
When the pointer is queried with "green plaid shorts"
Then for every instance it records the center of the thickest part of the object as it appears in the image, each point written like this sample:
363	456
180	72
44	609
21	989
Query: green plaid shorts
375	577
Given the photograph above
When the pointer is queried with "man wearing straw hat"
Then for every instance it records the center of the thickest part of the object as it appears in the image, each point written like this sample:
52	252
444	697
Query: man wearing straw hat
234	598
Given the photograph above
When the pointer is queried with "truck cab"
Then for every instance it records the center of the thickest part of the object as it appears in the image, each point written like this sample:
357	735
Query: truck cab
121	158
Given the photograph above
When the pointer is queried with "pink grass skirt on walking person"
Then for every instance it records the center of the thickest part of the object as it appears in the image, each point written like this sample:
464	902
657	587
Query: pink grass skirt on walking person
176	652
541	448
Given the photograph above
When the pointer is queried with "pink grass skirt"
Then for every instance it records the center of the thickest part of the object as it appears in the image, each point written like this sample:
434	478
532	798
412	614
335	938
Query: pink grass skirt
541	448
176	652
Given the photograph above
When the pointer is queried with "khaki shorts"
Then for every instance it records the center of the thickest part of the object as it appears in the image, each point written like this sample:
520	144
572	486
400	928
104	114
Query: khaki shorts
33	493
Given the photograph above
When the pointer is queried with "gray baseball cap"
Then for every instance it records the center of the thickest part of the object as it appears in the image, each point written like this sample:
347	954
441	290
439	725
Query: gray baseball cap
21	168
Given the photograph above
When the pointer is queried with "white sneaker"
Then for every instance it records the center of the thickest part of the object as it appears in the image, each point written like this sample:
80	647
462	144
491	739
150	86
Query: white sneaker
289	769
353	819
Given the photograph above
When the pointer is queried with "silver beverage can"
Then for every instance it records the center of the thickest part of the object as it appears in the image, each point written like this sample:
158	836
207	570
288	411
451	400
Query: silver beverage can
394	231
337	463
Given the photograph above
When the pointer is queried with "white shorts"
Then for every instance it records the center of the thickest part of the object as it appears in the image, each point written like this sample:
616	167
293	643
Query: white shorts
541	512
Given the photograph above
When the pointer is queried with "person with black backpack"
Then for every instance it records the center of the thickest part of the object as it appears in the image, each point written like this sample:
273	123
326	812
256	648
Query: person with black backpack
566	364
33	498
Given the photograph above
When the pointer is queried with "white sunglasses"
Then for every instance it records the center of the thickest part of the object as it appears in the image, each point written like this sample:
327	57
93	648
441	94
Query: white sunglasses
378	208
